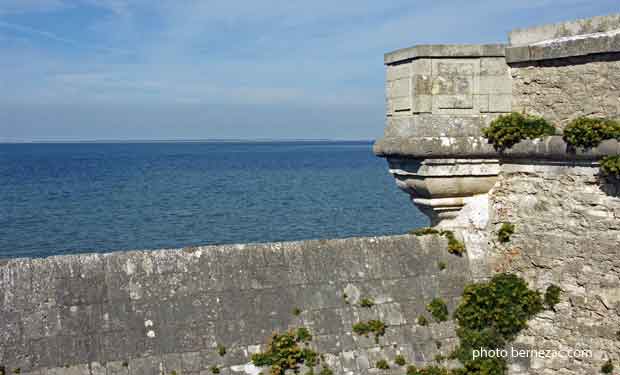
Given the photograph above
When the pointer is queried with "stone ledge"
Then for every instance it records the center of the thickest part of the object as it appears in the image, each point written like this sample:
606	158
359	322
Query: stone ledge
580	45
549	148
564	29
445	50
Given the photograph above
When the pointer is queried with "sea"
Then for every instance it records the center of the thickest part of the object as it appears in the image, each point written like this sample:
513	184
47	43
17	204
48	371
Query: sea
68	198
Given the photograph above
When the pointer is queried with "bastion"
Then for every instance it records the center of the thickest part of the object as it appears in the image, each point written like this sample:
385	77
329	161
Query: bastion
206	310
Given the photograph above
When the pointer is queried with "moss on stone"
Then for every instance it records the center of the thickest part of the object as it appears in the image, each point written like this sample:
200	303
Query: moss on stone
438	309
505	231
382	364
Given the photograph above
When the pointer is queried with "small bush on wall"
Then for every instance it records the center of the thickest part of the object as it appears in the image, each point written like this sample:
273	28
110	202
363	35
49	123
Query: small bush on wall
587	132
508	130
610	166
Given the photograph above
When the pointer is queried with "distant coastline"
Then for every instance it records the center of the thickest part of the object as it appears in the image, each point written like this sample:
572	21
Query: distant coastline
212	140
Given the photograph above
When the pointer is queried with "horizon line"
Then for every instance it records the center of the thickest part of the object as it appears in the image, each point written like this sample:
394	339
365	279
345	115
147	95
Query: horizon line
181	140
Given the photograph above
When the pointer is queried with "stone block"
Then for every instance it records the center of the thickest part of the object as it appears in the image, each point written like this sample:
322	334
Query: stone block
395	72
422	104
453	102
401	104
494	66
421	67
400	88
495	85
500	103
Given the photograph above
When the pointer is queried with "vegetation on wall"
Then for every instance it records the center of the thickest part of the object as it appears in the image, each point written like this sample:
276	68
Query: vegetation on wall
367	302
508	130
376	327
455	246
285	353
490	315
505	231
552	296
588	132
438	309
610	166
608	367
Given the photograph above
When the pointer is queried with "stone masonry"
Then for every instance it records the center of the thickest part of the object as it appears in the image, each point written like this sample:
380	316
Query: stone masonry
154	312
566	214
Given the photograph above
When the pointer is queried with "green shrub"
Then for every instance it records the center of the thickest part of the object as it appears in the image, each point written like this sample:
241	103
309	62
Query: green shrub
400	360
296	311
608	367
221	350
382	365
438	309
610	166
284	353
441	265
504	233
326	371
508	130
454	246
587	132
215	370
552	296
505	303
430	370
375	327
422	320
367	302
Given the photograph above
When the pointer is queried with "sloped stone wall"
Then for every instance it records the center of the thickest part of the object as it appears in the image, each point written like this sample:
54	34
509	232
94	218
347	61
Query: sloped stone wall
155	312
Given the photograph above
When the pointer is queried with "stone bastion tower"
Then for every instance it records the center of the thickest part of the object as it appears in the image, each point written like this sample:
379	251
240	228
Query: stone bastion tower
439	97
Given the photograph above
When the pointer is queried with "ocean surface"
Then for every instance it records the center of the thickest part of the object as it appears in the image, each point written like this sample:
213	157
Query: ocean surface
101	197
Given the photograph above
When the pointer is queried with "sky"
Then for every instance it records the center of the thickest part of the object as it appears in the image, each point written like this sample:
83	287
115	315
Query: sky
227	69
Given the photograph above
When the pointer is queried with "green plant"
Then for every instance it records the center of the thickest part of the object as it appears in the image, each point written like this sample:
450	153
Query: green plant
454	246
367	302
424	231
438	309
439	358
430	370
441	265
125	364
376	327
284	353
587	132
400	360
303	334
508	130
617	338
608	367
17	371
552	296
173	372
610	166
505	231
215	370
221	350
2	370
382	364
438	344
326	371
422	320
345	298
296	311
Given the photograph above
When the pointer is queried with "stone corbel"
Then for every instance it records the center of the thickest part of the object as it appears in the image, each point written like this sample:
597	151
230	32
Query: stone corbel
440	188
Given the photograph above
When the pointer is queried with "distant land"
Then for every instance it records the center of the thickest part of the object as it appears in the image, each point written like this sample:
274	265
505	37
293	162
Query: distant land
208	140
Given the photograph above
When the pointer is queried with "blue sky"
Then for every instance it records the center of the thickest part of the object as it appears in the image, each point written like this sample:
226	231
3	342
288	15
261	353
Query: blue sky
182	69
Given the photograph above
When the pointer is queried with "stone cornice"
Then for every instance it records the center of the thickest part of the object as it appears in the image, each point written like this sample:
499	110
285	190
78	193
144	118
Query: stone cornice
549	148
445	51
565	47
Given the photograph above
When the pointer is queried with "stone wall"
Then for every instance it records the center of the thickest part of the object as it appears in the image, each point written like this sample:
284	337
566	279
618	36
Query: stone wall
563	89
567	232
155	312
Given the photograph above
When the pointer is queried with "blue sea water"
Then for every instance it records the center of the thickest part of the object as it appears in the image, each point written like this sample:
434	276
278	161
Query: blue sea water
96	197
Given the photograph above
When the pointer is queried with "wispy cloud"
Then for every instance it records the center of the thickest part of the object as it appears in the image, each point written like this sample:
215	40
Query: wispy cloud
275	66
